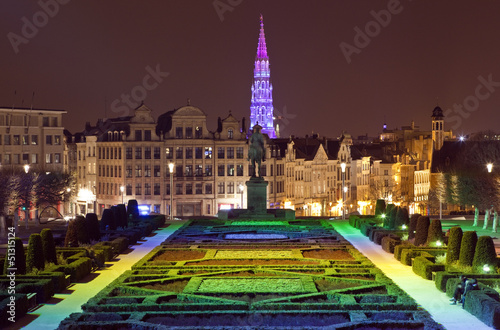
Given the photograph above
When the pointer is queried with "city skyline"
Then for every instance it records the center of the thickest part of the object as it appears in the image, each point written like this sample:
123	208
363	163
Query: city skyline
336	65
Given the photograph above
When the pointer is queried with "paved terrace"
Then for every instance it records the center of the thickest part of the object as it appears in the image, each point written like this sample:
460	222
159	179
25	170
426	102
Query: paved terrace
425	293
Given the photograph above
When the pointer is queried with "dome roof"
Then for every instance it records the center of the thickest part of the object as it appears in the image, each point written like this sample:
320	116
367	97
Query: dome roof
437	112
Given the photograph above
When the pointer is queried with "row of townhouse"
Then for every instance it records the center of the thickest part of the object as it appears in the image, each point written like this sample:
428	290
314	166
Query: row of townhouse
128	158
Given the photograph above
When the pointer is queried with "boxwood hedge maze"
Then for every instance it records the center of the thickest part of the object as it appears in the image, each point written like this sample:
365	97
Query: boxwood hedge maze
252	274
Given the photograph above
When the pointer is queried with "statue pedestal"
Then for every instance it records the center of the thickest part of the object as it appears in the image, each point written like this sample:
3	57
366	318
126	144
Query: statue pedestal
257	196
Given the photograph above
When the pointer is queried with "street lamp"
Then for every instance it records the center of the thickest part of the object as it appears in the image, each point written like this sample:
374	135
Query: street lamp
344	189
489	166
122	189
171	170
241	192
27	168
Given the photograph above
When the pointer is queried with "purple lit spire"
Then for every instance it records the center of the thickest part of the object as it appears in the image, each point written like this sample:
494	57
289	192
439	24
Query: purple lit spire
261	109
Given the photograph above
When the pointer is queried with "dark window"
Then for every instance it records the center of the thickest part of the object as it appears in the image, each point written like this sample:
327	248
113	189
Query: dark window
138	135
138	153
189	153
220	152
263	171
239	152
230	153
167	189
199	188
208	170
128	152
220	170
26	140
157	172
48	139
147	189
128	189
34	140
178	188
239	170
147	135
178	132
156	152
189	132
138	189
230	133
189	188
156	189
208	188
198	153
178	171
178	153
147	153
45	122
138	171
147	171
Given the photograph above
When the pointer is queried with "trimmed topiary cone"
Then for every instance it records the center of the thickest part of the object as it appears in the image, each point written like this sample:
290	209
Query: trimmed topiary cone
401	217
82	230
35	257
132	210
435	232
454	242
93	226
392	217
71	239
49	247
485	254
422	230
380	207
123	219
387	218
108	220
467	248
20	259
413	225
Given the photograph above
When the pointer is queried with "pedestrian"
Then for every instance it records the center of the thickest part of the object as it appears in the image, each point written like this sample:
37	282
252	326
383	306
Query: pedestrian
459	290
470	284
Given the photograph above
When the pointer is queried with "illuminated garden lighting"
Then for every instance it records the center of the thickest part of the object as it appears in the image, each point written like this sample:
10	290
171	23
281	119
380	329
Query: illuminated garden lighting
27	168
486	268
489	167
438	243
383	216
462	138
403	227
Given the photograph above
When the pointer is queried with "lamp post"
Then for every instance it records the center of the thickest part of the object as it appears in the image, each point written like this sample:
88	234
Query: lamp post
343	165
489	166
122	189
241	192
171	170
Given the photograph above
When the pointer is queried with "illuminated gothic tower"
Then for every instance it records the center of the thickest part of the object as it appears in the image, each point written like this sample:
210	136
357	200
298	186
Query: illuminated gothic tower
261	109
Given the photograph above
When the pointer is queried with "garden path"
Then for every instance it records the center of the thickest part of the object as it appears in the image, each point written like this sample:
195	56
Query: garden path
48	316
425	293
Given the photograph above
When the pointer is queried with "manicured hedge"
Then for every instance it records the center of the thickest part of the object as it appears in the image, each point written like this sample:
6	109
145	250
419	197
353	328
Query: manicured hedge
485	254
424	267
435	232
390	242
422	230
413	225
35	257
49	247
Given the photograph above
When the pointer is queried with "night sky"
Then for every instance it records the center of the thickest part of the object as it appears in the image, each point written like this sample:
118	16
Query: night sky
91	52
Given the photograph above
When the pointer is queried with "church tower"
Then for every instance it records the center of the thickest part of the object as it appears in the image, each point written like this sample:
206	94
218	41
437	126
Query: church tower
437	128
261	108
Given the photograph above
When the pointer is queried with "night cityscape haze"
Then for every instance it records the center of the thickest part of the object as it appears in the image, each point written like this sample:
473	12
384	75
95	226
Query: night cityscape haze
327	75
